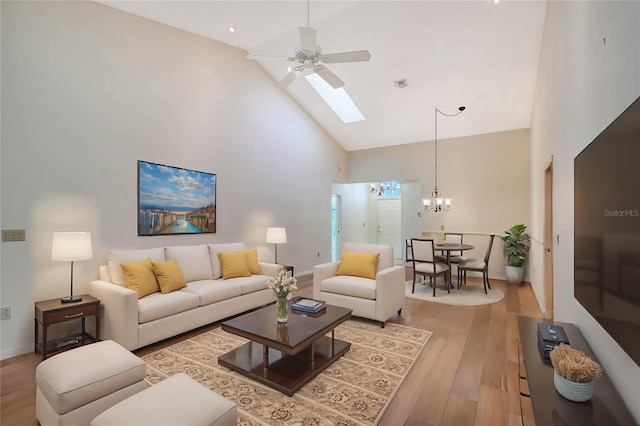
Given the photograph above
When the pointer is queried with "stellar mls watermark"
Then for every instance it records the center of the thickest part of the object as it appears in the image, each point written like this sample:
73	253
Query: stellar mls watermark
622	213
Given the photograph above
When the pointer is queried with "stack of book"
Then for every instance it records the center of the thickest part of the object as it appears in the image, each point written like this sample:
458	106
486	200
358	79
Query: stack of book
308	305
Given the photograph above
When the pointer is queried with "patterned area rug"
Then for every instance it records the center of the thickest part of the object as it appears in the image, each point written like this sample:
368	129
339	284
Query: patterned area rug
355	390
471	294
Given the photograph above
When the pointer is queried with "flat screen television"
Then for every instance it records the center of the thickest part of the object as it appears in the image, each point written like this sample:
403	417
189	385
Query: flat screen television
607	229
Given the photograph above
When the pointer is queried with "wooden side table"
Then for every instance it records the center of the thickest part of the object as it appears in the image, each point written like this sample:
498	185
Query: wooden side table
288	268
48	312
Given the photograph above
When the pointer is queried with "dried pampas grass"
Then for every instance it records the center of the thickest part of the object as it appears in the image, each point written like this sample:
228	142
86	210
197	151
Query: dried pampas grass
574	365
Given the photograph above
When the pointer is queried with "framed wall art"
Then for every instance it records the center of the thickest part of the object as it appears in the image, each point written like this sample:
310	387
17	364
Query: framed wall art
172	200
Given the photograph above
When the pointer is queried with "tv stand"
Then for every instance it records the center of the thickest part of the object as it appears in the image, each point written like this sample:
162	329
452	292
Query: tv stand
549	407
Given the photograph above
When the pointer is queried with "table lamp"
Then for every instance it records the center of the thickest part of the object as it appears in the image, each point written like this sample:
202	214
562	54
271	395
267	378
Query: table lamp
276	236
70	247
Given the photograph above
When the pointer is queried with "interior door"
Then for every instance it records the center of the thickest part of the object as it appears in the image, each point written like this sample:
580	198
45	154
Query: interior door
389	223
548	241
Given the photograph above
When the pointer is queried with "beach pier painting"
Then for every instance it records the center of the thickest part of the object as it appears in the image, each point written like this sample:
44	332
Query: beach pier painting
173	200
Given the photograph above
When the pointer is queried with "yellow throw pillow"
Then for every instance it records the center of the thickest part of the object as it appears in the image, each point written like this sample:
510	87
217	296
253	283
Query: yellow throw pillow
169	275
140	278
358	264
252	261
234	265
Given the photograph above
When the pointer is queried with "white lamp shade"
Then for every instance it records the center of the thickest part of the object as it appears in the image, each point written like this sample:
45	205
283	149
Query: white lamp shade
276	235
71	246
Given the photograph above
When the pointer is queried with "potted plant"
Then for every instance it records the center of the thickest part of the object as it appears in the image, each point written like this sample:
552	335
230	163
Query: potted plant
516	250
573	373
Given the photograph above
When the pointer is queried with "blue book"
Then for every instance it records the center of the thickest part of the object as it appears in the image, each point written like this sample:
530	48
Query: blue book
308	305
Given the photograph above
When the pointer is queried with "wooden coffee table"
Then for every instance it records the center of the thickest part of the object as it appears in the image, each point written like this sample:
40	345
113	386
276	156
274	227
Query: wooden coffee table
285	356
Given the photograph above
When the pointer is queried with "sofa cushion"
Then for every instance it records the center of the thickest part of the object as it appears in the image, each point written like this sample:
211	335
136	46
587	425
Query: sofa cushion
140	277
210	291
85	374
252	261
169	275
159	305
177	400
234	265
214	249
251	283
346	285
194	261
358	264
116	257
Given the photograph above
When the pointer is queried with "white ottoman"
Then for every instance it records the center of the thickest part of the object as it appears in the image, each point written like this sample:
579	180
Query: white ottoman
75	386
178	400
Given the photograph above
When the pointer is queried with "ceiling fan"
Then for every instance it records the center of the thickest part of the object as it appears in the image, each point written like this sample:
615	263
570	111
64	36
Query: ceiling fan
310	57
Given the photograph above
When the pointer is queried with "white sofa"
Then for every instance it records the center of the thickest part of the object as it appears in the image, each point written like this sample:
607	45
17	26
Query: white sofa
377	299
135	323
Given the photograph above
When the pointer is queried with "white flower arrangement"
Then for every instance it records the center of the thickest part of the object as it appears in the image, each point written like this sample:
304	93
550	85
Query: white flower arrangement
282	285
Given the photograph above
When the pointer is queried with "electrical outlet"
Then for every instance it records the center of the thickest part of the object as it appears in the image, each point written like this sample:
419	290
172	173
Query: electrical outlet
10	235
442	227
5	313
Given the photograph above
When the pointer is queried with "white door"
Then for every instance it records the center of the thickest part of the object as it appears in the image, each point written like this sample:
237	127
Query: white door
389	220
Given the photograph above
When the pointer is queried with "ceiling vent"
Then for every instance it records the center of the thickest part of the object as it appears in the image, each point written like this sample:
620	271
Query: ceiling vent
401	84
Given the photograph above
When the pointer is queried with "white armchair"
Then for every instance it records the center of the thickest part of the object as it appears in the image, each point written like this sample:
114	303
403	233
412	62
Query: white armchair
377	299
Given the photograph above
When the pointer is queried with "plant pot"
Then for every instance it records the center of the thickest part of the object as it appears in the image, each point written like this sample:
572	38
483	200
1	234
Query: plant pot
577	392
514	274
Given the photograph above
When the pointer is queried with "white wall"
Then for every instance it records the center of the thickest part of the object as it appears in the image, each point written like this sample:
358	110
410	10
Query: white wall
88	90
486	175
583	84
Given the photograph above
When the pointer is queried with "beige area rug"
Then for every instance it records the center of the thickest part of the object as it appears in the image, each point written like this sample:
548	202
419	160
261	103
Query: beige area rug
471	294
355	390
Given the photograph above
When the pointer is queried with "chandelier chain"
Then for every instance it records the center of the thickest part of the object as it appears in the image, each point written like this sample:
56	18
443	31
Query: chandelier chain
437	203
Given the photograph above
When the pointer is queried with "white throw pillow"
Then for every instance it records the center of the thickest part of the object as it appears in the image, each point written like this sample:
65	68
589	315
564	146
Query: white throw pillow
194	261
214	249
116	257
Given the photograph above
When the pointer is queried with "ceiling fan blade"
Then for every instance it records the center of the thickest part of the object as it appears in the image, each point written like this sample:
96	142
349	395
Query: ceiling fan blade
355	56
332	79
256	57
288	79
308	38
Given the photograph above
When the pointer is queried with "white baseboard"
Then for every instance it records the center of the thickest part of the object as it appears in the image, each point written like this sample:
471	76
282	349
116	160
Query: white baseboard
20	350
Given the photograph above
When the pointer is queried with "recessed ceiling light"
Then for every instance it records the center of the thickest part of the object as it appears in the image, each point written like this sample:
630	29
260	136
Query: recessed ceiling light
231	29
496	1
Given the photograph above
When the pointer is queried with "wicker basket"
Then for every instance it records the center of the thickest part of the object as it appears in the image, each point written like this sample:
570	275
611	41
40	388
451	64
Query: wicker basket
577	392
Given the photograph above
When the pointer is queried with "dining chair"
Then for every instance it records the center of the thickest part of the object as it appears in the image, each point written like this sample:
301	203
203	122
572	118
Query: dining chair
425	263
477	265
455	256
408	254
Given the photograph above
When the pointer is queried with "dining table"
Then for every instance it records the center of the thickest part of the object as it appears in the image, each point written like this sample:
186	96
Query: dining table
447	248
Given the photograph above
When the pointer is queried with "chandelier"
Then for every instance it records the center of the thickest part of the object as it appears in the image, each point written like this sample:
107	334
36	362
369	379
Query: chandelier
437	202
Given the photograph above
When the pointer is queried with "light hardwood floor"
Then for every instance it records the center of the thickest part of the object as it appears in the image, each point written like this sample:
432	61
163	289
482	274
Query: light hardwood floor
467	375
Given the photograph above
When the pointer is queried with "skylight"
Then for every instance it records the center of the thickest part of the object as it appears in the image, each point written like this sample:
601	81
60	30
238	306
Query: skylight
337	99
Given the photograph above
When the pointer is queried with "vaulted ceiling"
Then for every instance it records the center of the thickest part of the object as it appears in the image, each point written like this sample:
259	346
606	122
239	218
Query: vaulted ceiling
473	53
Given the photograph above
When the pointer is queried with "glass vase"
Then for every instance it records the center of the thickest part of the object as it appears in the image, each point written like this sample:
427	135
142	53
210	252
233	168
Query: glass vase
282	309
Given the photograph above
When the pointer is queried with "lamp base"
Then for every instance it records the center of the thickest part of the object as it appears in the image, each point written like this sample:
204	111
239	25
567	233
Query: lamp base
71	299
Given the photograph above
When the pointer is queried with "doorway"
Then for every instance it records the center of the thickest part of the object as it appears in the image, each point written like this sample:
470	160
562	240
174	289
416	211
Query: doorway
548	241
